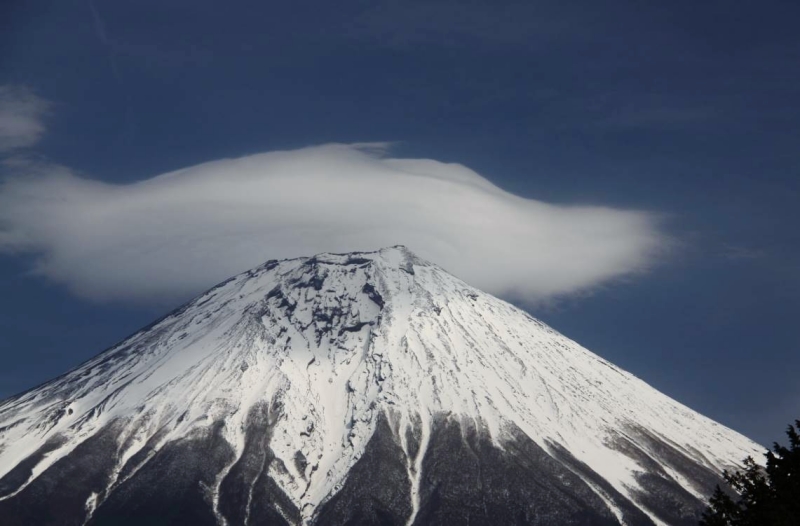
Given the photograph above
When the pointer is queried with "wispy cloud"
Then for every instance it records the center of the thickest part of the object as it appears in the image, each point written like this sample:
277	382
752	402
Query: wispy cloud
22	115
170	236
102	35
741	253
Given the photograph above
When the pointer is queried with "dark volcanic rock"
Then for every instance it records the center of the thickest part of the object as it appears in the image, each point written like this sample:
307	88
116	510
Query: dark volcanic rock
23	471
171	488
246	491
377	491
58	496
467	480
669	501
632	515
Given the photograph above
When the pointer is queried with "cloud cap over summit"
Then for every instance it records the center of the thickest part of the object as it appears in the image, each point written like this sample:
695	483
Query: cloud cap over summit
173	235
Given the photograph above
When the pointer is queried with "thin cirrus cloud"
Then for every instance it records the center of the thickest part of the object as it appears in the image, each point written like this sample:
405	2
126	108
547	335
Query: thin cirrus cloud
165	238
21	117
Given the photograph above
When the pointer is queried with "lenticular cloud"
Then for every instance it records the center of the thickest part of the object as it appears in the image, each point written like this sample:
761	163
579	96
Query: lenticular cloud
171	236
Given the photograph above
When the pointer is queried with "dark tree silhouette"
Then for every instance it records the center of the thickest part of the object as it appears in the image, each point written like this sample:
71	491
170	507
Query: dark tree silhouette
761	497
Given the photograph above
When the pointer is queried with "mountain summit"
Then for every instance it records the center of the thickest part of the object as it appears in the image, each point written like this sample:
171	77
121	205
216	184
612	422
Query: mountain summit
362	388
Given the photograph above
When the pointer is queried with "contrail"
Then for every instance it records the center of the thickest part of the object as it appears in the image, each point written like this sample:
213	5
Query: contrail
100	30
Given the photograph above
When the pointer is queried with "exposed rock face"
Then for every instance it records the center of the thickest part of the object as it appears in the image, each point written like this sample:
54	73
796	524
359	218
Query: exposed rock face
367	388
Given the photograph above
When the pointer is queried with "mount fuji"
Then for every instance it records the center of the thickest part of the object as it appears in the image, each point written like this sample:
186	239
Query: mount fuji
361	388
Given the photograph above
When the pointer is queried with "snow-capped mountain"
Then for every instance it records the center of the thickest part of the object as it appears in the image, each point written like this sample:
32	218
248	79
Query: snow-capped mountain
364	388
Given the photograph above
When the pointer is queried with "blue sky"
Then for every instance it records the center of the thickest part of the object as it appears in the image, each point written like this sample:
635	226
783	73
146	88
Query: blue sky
685	111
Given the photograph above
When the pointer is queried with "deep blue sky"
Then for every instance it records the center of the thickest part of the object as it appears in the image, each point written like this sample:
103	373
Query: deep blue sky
689	109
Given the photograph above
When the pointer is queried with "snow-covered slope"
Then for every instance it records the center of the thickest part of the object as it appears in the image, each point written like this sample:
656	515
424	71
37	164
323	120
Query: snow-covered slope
271	393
